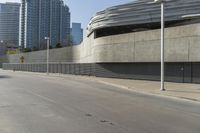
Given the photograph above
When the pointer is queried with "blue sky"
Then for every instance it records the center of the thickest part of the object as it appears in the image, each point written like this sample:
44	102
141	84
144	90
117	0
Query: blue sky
82	10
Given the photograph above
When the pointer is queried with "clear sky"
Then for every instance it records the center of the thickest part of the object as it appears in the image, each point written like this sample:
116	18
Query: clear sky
82	10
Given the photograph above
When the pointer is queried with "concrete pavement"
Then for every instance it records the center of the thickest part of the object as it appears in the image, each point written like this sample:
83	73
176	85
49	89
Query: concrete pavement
184	91
177	90
36	103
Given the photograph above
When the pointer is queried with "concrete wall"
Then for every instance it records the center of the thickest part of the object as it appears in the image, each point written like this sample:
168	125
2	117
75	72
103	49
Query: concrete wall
67	54
182	44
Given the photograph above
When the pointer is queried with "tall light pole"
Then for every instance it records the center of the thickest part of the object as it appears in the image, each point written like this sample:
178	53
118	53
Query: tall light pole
162	73
1	42
162	47
1	47
48	42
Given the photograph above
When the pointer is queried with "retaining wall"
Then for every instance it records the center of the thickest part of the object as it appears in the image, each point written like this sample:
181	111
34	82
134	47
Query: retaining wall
182	44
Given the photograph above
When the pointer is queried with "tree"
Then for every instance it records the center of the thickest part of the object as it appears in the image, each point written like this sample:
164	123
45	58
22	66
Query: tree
35	49
25	50
58	45
69	40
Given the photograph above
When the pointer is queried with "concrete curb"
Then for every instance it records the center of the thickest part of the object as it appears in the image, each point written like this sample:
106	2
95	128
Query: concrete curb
150	93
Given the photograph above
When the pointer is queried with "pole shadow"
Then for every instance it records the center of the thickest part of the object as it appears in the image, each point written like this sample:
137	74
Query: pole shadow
4	76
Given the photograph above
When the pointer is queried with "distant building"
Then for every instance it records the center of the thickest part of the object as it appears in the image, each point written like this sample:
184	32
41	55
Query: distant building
9	26
76	33
44	18
65	29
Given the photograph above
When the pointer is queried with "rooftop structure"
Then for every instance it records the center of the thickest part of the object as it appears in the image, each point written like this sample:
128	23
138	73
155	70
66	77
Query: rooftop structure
141	15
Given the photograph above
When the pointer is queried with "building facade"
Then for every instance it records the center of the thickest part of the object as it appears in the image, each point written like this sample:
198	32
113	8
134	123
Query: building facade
65	30
124	42
76	33
44	18
9	25
140	15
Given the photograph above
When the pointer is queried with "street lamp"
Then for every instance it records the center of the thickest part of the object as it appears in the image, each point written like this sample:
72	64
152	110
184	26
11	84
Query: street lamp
1	47
48	41
162	2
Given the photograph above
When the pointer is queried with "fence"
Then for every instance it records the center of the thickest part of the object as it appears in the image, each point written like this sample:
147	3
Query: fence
64	68
185	72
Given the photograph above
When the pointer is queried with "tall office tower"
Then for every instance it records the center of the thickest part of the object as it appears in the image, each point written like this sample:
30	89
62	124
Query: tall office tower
9	25
76	33
44	18
22	27
65	30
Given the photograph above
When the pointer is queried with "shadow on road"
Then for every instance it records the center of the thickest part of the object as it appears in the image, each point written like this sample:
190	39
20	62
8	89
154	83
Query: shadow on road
4	76
184	91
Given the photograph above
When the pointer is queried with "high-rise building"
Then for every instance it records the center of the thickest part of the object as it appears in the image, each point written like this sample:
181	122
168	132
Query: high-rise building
76	33
44	18
65	30
9	25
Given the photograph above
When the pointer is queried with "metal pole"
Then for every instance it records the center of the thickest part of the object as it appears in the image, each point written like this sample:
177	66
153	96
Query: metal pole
162	47
48	56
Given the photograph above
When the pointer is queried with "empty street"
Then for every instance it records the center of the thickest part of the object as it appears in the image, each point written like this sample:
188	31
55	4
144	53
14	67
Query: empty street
37	103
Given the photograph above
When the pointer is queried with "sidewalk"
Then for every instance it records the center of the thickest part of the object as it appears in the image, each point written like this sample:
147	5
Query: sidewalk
178	90
184	91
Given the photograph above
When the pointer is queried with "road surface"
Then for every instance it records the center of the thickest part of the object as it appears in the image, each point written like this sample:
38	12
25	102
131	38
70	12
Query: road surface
32	103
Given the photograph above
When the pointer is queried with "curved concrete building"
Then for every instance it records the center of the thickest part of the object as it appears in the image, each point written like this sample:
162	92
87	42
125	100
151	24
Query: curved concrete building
141	15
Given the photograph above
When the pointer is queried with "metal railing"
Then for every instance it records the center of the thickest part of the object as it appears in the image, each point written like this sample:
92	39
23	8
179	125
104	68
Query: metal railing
63	68
175	72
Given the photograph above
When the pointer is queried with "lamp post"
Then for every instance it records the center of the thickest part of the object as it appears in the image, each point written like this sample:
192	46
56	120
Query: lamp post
1	47
48	42
1	42
162	47
162	75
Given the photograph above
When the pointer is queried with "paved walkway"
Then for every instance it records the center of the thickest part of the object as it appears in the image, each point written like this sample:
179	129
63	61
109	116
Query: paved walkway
184	91
178	90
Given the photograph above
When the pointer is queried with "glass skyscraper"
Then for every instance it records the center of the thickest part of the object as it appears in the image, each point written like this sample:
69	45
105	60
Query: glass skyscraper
76	33
9	25
44	18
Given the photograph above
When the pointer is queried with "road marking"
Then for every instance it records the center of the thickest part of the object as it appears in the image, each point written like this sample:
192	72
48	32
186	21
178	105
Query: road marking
43	97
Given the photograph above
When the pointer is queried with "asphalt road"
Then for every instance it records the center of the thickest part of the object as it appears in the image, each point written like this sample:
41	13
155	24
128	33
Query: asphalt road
31	103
